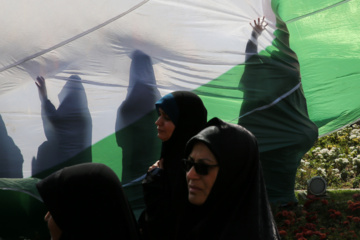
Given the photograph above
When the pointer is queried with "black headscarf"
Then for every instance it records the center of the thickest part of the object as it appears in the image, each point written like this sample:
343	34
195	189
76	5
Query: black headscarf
188	113
87	202
237	207
189	116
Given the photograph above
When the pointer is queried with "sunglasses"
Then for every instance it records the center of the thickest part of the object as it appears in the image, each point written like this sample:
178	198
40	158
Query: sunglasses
200	168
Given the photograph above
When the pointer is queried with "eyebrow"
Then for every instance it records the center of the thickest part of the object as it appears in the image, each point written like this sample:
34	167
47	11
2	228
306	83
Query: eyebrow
162	112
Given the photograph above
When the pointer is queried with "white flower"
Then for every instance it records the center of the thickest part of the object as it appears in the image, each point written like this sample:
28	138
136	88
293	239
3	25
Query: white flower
302	170
322	171
355	132
316	150
324	151
335	170
353	136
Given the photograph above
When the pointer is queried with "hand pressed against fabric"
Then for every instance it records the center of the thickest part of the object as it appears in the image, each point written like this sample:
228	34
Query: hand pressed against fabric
54	230
165	126
202	175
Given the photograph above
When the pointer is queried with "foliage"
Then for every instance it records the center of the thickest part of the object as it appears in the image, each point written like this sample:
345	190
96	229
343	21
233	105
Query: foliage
335	157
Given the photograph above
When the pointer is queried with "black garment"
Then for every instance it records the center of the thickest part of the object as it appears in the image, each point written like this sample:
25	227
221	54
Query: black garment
87	202
165	190
237	207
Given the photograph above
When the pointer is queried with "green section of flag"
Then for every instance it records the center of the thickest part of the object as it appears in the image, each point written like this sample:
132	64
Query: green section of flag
106	151
328	48
300	9
222	97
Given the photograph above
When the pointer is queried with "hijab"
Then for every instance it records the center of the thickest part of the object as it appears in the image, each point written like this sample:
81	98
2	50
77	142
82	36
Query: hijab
237	207
87	202
189	115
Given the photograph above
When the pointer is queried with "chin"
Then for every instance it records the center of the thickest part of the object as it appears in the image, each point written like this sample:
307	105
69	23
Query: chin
162	138
195	201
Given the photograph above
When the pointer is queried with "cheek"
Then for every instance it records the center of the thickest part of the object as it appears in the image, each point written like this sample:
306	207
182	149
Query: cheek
169	126
210	181
200	197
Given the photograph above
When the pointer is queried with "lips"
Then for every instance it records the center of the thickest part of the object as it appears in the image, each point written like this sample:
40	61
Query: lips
194	188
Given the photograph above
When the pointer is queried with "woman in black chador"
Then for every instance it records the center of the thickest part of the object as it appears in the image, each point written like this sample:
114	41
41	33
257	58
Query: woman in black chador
182	114
86	201
226	188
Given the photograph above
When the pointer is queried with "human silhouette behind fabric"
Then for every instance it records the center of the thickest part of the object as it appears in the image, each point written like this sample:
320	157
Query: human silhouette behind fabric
135	131
282	126
11	159
68	128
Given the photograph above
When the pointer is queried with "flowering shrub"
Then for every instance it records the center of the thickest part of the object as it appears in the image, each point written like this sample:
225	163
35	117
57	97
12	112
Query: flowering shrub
320	219
335	157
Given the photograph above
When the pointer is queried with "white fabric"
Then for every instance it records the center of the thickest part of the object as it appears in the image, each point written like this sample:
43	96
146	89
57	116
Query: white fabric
190	43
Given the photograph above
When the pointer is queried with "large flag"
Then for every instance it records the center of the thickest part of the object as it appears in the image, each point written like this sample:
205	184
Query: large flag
105	63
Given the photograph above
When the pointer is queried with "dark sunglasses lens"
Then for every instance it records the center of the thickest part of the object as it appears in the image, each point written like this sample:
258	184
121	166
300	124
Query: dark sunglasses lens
201	169
188	164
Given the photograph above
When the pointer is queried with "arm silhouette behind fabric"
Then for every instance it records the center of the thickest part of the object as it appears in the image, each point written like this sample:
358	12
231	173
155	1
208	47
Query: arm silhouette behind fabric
252	45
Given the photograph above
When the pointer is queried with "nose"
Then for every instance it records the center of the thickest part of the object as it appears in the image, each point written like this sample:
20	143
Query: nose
158	121
47	216
192	174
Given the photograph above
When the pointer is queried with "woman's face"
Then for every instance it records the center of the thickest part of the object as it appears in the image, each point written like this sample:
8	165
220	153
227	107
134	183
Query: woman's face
165	126
55	231
200	185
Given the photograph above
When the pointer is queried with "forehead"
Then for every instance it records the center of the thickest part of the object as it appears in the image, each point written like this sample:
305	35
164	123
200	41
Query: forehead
201	152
